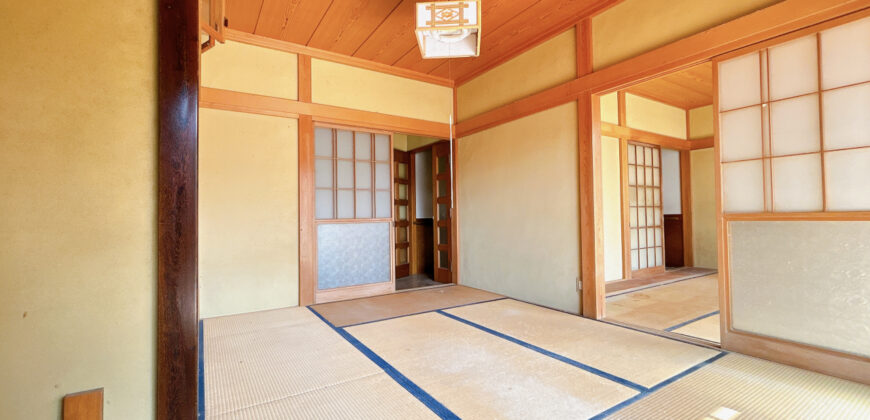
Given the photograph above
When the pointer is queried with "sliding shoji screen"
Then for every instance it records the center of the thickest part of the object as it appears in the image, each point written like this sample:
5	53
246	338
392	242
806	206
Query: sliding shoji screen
353	208
794	124
794	147
645	207
352	174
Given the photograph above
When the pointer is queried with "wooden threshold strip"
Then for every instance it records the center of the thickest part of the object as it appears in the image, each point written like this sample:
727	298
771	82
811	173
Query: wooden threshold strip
773	21
266	105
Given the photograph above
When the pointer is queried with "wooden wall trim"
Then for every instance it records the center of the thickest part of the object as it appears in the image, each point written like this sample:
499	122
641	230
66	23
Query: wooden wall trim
267	105
177	144
261	41
668	142
778	19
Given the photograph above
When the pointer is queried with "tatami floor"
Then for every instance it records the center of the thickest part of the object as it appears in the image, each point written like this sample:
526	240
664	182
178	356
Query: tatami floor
689	307
457	352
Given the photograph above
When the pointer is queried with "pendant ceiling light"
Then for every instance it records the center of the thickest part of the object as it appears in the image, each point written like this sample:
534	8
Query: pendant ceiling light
448	29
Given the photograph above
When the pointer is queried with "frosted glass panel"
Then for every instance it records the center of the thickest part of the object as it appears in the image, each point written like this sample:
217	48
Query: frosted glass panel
383	204
402	169
797	183
631	154
363	174
344	140
659	256
351	254
643	259
363	204
345	204
323	204
634	239
802	281
363	146
634	262
846	54
847	180
402	191
382	175
344	172
382	147
743	188
847	117
739	82
322	142
793	68
740	134
323	173
794	125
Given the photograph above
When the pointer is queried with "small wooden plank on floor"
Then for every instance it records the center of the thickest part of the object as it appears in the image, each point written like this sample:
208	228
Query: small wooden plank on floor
85	405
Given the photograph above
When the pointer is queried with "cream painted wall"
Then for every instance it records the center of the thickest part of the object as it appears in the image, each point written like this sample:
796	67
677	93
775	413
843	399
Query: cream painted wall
518	204
251	69
657	117
612	208
633	27
78	273
704	243
353	87
701	122
400	142
248	213
544	66
415	142
609	106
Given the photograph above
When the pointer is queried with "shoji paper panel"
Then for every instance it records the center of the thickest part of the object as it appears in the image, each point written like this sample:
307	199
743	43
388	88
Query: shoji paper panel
739	81
743	186
813	292
740	134
351	254
846	54
797	183
794	125
847	117
847	180
793	68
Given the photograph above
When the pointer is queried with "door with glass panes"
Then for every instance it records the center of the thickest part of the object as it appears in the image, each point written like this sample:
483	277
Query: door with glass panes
442	211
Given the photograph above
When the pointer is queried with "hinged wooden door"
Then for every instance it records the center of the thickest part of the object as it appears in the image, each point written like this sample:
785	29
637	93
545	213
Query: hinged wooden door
402	217
443	210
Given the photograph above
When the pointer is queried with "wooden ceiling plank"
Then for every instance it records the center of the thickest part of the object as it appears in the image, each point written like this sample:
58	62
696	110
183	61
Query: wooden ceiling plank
393	38
540	22
349	23
242	15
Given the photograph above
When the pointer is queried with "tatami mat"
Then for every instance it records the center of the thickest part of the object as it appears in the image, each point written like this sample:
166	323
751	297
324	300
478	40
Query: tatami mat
705	328
662	307
256	362
641	358
372	397
742	387
478	375
351	312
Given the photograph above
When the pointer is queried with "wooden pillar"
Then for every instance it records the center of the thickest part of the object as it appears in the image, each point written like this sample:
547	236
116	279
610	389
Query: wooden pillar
177	305
307	234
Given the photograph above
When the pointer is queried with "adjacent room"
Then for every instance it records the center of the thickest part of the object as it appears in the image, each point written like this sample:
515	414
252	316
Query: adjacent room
658	193
401	209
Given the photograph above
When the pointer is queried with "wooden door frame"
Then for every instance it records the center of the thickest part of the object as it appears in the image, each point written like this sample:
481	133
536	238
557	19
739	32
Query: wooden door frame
625	206
817	359
771	22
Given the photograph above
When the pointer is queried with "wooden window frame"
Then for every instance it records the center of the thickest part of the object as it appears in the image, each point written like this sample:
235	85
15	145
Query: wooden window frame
627	208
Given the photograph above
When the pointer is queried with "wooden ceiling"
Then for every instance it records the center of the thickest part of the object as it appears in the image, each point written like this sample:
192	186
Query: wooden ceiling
687	89
383	30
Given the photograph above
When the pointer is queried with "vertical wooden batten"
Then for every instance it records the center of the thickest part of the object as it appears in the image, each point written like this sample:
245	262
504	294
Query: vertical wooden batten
686	197
307	234
623	188
177	304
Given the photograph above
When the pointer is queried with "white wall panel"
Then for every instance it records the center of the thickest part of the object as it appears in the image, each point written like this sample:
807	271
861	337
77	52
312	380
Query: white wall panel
793	68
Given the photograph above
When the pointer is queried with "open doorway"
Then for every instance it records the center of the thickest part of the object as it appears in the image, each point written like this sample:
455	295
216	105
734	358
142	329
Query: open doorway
658	194
422	212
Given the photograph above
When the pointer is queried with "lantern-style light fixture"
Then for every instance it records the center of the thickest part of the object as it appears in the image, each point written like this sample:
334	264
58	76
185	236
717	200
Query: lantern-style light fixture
448	29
